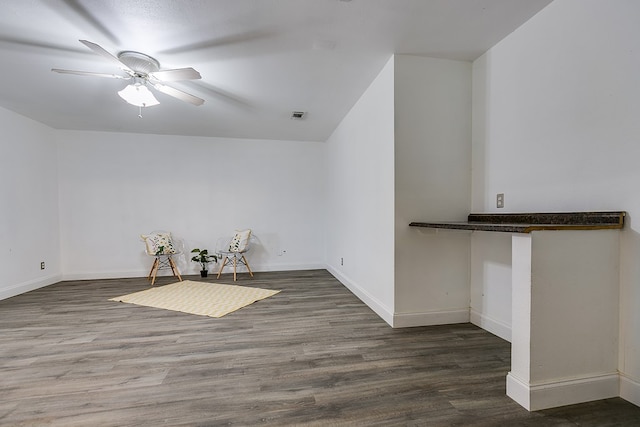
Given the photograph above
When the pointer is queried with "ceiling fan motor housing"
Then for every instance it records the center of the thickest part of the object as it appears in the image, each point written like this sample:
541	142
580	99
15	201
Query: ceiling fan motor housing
139	62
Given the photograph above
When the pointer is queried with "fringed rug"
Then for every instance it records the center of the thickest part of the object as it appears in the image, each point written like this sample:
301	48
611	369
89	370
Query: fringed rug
204	299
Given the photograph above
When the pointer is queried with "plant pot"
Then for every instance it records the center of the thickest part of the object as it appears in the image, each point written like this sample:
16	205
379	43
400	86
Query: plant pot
203	273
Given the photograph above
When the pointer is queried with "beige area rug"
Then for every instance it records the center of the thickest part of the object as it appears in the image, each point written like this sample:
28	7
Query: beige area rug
205	299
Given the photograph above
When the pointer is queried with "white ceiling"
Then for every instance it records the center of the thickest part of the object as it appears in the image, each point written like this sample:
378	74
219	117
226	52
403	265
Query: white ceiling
259	59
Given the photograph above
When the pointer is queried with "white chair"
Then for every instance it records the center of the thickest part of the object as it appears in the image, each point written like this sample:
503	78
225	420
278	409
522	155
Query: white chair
234	251
161	246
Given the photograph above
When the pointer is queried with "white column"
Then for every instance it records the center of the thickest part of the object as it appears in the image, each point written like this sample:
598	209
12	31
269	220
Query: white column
564	317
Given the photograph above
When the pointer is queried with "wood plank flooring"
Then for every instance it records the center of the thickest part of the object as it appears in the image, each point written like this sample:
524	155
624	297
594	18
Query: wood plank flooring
312	355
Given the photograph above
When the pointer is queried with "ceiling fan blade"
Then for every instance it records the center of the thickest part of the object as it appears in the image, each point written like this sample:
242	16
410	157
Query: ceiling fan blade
176	74
102	52
89	73
183	96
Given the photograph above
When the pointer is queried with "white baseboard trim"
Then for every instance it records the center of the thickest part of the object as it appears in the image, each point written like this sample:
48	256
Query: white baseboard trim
30	285
278	267
629	390
97	275
440	317
561	393
375	305
493	326
401	320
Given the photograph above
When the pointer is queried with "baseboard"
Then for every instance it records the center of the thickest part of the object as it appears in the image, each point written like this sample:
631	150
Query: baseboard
401	320
562	393
493	326
629	390
375	305
279	267
30	285
97	275
440	317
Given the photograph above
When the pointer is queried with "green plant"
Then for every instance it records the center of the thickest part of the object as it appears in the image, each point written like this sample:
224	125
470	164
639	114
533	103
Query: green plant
203	257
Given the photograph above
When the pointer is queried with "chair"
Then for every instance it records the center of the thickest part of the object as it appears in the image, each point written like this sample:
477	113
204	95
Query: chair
234	252
162	247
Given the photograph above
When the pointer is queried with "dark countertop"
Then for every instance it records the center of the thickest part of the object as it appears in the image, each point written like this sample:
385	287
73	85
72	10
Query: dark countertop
528	222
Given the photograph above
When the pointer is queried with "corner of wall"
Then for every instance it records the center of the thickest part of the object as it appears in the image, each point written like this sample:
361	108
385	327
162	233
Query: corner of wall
373	303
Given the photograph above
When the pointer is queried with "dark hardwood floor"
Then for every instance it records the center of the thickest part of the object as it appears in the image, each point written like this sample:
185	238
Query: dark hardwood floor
312	355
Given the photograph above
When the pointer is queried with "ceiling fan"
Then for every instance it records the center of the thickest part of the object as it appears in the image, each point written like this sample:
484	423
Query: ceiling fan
145	72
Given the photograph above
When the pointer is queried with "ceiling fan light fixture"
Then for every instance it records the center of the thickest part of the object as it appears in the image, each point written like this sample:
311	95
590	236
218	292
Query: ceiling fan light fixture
144	71
138	95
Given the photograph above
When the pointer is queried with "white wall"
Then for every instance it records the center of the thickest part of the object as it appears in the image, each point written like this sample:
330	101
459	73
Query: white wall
403	154
491	282
360	201
556	108
28	205
115	186
432	183
490	252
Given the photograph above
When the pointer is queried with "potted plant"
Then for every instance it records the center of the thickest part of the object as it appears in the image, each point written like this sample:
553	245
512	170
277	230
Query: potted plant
203	257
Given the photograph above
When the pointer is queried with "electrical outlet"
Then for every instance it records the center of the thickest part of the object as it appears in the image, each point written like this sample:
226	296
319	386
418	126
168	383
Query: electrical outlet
42	265
500	200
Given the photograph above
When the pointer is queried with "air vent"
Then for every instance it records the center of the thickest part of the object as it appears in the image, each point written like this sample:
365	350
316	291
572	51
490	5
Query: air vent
298	115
